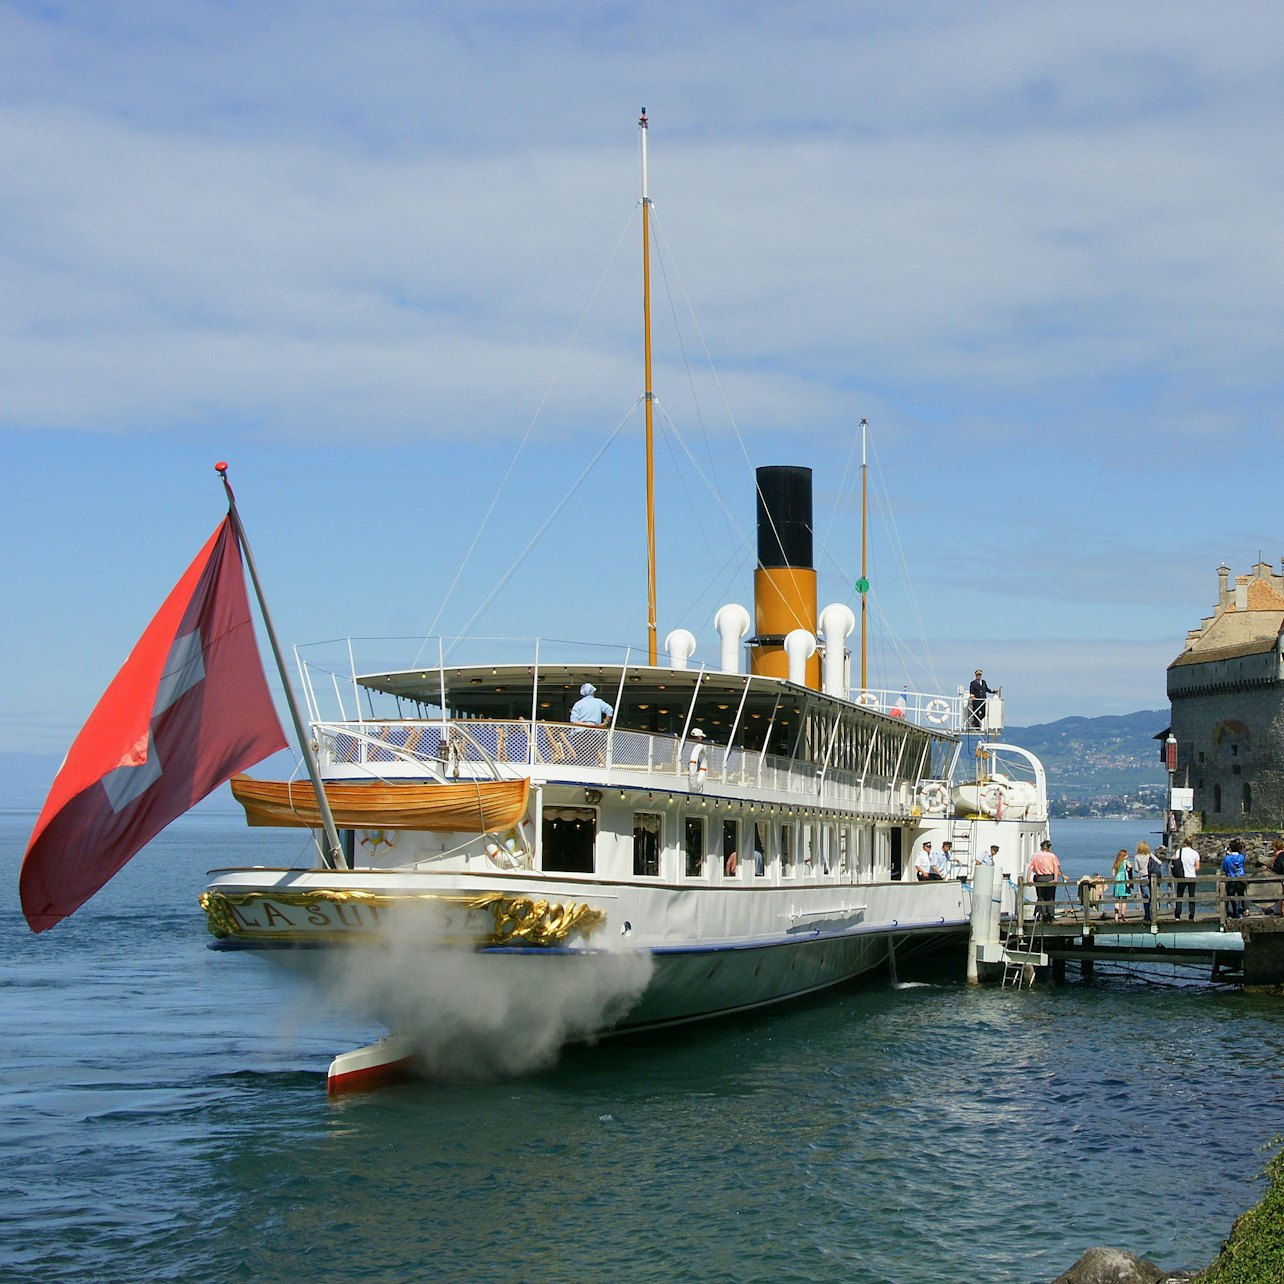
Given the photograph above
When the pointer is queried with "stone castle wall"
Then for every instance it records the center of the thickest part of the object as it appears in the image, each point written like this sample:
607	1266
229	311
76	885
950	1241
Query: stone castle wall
1233	739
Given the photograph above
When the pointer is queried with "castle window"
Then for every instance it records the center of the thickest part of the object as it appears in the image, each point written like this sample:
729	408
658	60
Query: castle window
1234	751
1201	757
1235	770
1217	798
1246	803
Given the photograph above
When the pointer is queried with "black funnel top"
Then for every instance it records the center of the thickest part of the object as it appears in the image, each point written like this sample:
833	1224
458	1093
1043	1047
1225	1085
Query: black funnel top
784	517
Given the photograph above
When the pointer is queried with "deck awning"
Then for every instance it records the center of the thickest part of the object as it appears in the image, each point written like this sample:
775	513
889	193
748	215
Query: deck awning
474	807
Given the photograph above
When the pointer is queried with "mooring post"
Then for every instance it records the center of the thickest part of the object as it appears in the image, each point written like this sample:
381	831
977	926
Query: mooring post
984	923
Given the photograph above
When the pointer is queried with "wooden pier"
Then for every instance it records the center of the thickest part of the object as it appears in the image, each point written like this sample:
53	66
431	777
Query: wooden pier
1238	934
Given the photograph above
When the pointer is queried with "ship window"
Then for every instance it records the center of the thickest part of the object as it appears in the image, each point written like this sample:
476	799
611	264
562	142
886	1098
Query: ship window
759	850
730	845
646	843
694	844
568	839
786	848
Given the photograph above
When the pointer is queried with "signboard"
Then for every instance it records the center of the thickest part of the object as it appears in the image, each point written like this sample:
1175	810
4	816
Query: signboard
1182	800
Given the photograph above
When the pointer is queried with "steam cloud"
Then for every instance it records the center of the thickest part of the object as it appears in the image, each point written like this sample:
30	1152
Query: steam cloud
473	1015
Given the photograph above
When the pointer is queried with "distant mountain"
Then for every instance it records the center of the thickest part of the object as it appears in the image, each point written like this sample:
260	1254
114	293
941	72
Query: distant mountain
1090	757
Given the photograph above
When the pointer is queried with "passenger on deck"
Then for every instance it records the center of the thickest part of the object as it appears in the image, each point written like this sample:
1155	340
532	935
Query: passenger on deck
941	862
1045	872
1120	874
977	690
1185	869
590	710
923	863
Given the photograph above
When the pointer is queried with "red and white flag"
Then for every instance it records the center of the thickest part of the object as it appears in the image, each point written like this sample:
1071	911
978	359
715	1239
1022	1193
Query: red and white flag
189	709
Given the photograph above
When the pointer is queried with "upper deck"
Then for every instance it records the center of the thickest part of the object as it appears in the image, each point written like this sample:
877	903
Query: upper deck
761	734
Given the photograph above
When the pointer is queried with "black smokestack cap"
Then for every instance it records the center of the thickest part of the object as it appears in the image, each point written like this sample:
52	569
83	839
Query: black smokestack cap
784	517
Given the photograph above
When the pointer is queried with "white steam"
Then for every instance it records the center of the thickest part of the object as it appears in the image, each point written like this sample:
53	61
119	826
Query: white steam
476	1015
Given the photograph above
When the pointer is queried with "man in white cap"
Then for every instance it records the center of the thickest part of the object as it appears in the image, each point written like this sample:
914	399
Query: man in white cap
698	761
590	711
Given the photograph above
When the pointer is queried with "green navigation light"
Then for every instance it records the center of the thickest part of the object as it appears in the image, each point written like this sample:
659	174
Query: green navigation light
862	586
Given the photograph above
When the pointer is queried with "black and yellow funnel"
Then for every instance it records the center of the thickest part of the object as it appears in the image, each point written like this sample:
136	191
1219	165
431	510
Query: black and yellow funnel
784	583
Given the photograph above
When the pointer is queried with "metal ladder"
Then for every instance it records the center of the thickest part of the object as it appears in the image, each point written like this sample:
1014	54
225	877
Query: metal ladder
1019	954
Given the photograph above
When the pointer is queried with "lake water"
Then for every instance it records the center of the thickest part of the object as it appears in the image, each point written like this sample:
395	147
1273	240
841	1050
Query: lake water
163	1116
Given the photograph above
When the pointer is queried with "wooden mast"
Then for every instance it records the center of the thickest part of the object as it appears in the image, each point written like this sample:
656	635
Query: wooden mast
862	584
652	649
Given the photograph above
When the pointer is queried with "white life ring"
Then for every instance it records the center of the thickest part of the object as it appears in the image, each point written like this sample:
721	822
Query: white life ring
938	711
867	700
934	796
990	797
697	768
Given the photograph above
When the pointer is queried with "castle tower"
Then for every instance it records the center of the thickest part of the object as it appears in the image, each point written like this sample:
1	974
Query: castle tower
1227	695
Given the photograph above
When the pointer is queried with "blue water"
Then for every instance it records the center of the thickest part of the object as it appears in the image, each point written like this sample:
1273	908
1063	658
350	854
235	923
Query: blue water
163	1117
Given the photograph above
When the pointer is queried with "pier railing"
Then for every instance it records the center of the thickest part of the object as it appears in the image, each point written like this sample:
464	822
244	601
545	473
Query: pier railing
1151	902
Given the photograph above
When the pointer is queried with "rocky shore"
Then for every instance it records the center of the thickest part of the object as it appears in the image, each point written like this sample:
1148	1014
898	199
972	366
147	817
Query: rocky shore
1253	1254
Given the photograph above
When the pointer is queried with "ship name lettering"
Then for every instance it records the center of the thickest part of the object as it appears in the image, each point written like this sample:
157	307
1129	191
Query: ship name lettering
349	915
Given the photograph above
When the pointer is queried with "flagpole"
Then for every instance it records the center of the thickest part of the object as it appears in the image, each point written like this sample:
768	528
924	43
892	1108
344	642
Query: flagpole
332	854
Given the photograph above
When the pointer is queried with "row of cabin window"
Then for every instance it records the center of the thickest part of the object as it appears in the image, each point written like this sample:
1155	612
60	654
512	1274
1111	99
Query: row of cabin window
569	839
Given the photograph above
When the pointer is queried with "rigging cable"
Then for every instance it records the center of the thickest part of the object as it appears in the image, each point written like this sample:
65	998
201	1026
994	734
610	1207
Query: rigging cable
521	445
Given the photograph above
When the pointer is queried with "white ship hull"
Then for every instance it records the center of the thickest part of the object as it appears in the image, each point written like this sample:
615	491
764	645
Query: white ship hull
415	950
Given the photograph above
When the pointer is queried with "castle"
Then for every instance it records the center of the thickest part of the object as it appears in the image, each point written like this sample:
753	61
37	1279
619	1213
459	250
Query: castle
1227	695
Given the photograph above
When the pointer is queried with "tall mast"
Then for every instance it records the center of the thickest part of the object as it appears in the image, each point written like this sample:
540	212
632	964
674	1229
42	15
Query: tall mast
652	649
862	584
332	850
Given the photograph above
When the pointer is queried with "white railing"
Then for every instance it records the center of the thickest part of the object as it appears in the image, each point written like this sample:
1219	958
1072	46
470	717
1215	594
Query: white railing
471	747
933	710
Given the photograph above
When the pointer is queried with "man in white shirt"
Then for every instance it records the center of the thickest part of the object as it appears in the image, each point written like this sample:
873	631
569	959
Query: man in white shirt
1185	867
923	863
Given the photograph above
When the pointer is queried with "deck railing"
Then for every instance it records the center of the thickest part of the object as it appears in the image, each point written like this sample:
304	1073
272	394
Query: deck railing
472	746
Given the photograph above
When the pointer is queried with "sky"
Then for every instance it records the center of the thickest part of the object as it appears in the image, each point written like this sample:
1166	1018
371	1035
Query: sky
385	260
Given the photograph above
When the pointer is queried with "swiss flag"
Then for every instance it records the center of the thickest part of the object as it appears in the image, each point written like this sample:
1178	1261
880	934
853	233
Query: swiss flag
189	709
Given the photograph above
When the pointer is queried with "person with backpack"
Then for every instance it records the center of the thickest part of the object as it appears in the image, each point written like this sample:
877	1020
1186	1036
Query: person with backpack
1185	870
1236	886
1156	869
1141	875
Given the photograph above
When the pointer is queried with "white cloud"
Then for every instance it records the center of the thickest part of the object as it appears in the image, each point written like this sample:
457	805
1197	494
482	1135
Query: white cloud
1035	245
